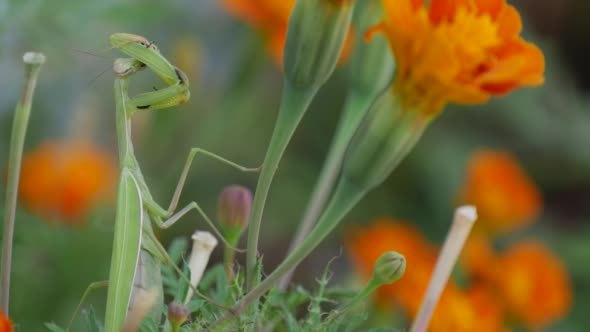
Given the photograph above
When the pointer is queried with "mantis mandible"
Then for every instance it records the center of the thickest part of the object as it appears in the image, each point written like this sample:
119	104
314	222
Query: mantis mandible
137	254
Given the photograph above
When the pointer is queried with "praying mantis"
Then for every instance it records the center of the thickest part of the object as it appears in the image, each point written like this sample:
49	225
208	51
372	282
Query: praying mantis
137	254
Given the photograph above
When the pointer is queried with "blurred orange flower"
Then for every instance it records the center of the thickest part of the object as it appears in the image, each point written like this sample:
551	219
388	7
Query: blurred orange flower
505	196
269	16
5	323
460	311
456	311
478	258
488	311
534	284
457	51
65	180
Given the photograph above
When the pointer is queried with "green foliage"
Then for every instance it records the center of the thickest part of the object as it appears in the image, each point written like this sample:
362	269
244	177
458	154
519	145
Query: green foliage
54	327
93	324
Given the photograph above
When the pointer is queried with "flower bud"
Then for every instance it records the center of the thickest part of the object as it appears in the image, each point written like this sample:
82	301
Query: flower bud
389	268
234	207
177	314
385	137
373	64
315	37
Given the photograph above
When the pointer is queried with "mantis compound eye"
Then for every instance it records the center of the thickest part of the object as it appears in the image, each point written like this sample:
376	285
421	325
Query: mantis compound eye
181	76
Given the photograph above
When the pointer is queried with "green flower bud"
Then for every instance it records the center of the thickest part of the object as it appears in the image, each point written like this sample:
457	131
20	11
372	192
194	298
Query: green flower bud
389	268
315	37
373	64
234	207
177	314
385	137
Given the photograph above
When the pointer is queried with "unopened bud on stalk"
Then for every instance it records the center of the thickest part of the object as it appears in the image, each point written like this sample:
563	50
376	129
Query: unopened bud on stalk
384	138
373	64
203	245
389	268
234	207
315	37
177	314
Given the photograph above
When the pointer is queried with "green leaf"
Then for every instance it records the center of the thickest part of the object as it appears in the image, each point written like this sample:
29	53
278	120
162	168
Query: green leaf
195	305
126	249
182	286
93	324
177	249
149	325
54	327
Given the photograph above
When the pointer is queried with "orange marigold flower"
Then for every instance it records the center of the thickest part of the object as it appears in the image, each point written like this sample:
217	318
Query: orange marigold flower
457	310
271	17
488	311
534	284
5	323
478	258
61	180
505	197
365	245
454	312
458	51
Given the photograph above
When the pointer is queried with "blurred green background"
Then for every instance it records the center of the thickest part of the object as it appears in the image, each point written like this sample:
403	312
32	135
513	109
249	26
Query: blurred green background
235	95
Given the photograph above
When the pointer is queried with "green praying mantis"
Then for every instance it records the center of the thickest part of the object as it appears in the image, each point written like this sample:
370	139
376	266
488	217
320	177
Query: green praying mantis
137	254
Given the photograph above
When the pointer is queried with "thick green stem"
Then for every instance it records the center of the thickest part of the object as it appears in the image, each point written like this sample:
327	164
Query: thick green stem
33	62
345	197
294	103
354	112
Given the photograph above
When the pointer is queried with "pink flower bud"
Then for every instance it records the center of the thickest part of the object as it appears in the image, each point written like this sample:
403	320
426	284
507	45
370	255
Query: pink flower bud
234	206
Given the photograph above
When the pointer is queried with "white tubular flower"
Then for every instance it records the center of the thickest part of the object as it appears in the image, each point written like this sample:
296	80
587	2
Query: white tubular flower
203	245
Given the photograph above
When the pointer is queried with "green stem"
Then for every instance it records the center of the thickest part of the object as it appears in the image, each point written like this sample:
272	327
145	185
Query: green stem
33	62
232	234
346	196
294	103
354	112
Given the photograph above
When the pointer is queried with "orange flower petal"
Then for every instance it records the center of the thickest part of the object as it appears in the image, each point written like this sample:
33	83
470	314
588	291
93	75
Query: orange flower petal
458	51
490	7
5	323
63	181
505	196
534	284
440	10
509	23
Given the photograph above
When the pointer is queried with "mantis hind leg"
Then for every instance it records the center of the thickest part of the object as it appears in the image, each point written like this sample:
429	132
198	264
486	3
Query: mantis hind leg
194	206
157	210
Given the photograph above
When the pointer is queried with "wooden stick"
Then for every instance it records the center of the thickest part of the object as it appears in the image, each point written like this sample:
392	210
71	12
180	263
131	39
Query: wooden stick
465	217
